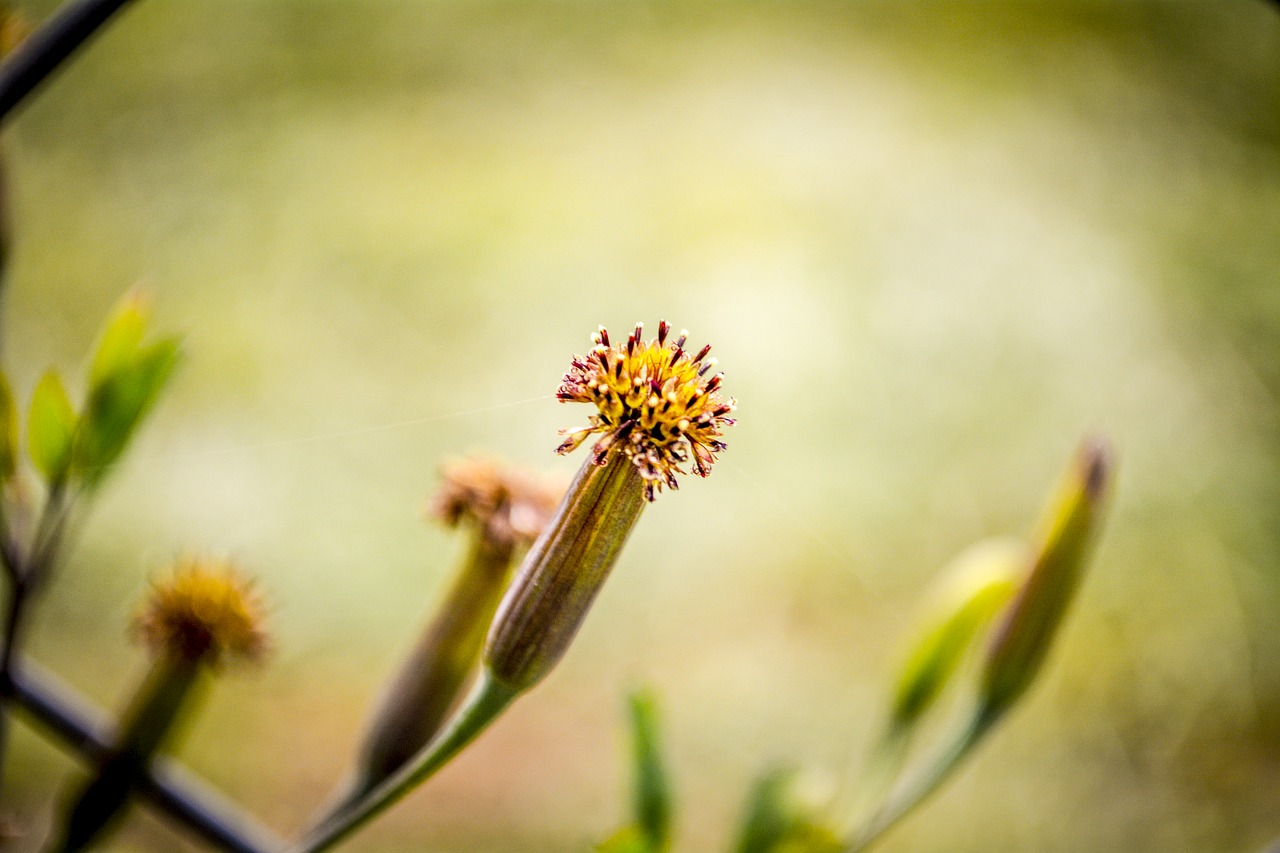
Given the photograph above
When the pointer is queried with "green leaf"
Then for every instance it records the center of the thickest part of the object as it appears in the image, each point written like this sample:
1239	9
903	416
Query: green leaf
117	404
629	839
51	425
8	430
971	591
780	819
121	337
651	796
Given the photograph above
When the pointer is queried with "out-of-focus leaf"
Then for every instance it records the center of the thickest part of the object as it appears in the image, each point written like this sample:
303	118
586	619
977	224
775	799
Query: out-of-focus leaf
629	839
51	425
651	795
650	827
8	430
970	592
117	404
121	338
780	819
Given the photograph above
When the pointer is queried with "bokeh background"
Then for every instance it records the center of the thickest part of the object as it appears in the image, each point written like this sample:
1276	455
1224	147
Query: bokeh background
933	243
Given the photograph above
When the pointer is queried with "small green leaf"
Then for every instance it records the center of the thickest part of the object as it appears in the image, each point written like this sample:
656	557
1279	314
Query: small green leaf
780	819
629	839
8	430
117	405
971	591
121	337
51	424
651	795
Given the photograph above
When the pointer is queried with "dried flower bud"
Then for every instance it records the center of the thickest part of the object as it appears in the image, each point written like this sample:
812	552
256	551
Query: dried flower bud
203	612
1069	525
509	505
653	401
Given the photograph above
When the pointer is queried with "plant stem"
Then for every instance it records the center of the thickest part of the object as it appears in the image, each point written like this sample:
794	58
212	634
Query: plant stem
26	573
487	700
923	786
167	785
49	46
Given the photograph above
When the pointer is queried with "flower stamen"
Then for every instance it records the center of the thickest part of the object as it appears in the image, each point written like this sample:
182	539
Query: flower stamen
652	401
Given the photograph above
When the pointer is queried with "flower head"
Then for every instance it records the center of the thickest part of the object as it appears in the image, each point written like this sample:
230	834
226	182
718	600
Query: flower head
653	400
509	505
204	611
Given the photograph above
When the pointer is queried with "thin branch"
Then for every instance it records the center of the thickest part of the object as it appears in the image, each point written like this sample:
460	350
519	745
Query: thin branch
49	46
168	786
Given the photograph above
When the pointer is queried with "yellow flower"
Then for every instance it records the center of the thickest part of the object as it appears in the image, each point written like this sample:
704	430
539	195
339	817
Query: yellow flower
653	401
204	611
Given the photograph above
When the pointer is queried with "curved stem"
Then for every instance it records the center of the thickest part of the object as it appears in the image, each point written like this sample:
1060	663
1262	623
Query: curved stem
923	786
487	700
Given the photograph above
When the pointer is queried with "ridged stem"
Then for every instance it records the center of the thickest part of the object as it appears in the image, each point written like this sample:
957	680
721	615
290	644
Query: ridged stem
564	571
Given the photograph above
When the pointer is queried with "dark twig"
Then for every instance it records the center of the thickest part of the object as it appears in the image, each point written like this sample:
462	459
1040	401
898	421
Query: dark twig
168	786
49	46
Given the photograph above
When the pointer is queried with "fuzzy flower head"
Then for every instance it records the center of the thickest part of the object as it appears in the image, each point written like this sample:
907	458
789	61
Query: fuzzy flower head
655	402
203	611
507	503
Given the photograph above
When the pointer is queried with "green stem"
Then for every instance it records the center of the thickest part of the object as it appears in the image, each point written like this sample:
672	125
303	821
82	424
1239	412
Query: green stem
897	808
882	769
25	575
149	721
488	699
435	675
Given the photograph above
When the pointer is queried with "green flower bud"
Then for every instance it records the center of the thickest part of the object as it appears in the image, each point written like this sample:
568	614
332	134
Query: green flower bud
1068	528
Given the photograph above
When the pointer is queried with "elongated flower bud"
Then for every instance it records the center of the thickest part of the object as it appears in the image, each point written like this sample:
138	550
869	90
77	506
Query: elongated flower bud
546	604
653	410
973	589
197	620
503	509
1068	528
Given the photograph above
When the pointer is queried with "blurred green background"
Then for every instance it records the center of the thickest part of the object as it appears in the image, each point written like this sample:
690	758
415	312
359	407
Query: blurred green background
933	243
